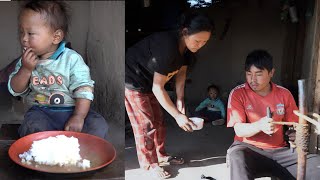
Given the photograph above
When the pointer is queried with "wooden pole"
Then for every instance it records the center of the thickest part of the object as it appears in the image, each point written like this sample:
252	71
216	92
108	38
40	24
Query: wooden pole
301	167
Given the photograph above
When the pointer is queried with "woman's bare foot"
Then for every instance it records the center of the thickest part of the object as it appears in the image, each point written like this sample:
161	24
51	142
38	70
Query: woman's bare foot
159	173
171	160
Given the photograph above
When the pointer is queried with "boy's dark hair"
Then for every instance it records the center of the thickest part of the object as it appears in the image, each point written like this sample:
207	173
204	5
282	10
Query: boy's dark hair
261	59
212	86
55	12
195	22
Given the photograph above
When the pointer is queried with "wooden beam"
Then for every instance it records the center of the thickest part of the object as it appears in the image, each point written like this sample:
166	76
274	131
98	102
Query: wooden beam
315	76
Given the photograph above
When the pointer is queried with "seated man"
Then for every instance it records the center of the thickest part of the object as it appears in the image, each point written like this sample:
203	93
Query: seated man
259	145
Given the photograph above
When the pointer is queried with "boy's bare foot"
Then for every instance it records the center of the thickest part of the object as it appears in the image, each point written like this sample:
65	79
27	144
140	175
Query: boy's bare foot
218	122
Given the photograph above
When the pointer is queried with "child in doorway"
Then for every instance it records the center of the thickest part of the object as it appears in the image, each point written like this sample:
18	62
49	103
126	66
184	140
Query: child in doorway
54	79
212	108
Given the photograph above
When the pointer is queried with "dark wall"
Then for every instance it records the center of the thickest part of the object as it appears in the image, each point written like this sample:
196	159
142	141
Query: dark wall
160	15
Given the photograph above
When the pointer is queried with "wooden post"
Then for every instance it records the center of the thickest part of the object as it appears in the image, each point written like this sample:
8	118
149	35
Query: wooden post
314	84
301	167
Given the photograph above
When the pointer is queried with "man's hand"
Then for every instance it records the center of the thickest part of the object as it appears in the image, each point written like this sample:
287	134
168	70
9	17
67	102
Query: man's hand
180	106
291	133
265	125
29	60
185	123
75	123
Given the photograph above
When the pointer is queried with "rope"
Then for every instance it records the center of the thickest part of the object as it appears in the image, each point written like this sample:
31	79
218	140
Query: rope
302	137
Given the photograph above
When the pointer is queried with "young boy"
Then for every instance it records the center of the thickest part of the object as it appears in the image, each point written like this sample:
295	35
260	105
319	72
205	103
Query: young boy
54	79
212	108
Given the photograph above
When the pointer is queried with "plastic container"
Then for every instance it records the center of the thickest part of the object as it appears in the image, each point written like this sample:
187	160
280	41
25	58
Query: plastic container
198	122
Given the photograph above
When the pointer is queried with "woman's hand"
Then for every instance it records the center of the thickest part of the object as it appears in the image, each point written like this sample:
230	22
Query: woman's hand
29	60
185	123
75	123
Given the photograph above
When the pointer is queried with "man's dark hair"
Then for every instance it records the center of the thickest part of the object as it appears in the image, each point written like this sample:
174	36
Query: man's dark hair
55	12
212	86
261	59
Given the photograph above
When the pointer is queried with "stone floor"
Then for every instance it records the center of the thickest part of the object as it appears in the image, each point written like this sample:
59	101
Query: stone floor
204	152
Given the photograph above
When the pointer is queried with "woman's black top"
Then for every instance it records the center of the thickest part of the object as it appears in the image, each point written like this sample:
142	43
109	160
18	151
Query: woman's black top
159	53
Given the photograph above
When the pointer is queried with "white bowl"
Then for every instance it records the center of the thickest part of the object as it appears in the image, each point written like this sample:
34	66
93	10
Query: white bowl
198	122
